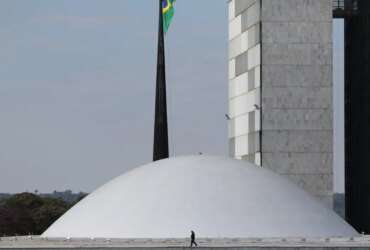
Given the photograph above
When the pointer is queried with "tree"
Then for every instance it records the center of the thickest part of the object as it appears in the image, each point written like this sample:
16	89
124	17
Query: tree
27	213
15	221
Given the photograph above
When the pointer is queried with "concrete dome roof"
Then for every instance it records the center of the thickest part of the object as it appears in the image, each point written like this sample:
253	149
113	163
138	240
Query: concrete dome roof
215	197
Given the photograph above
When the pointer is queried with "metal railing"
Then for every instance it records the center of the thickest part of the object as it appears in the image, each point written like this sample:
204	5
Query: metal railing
344	8
338	5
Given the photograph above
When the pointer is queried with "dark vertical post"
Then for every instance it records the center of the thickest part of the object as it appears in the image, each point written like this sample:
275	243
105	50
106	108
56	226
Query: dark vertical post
357	116
160	148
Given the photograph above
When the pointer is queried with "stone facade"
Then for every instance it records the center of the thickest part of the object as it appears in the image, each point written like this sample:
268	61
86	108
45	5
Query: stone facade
280	60
245	80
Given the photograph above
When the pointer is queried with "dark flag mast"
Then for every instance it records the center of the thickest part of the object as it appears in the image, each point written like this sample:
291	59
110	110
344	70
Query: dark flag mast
160	148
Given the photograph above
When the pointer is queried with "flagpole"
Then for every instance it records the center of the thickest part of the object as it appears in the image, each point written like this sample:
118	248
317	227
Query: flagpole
160	147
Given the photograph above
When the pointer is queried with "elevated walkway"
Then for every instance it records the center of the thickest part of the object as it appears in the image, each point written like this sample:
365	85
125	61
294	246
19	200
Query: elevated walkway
344	8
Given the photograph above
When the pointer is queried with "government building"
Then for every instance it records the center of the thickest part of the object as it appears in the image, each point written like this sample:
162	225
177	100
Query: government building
275	191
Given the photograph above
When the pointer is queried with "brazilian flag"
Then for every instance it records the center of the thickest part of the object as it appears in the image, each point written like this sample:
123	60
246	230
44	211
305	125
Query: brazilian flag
168	11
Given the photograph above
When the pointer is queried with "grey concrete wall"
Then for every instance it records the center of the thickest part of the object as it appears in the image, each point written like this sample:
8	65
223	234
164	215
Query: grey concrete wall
297	127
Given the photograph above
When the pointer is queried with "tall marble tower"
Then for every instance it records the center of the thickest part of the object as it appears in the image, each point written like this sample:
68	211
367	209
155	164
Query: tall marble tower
280	89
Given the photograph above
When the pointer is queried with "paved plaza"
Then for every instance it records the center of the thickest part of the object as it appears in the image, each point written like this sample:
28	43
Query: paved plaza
35	242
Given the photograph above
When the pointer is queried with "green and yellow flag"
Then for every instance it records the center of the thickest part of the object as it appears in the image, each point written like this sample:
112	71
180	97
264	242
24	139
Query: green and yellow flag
168	11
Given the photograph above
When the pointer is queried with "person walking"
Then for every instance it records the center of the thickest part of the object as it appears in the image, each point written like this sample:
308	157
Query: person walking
192	238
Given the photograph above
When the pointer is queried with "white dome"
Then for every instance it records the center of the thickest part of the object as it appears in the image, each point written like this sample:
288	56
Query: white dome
213	196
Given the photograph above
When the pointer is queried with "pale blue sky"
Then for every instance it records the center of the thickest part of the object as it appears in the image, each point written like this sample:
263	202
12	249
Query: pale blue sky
338	82
77	88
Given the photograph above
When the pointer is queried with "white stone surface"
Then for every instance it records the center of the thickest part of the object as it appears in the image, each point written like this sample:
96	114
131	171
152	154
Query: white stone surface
254	57
238	45
238	86
215	197
245	88
231	10
241	125
235	27
244	103
241	145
